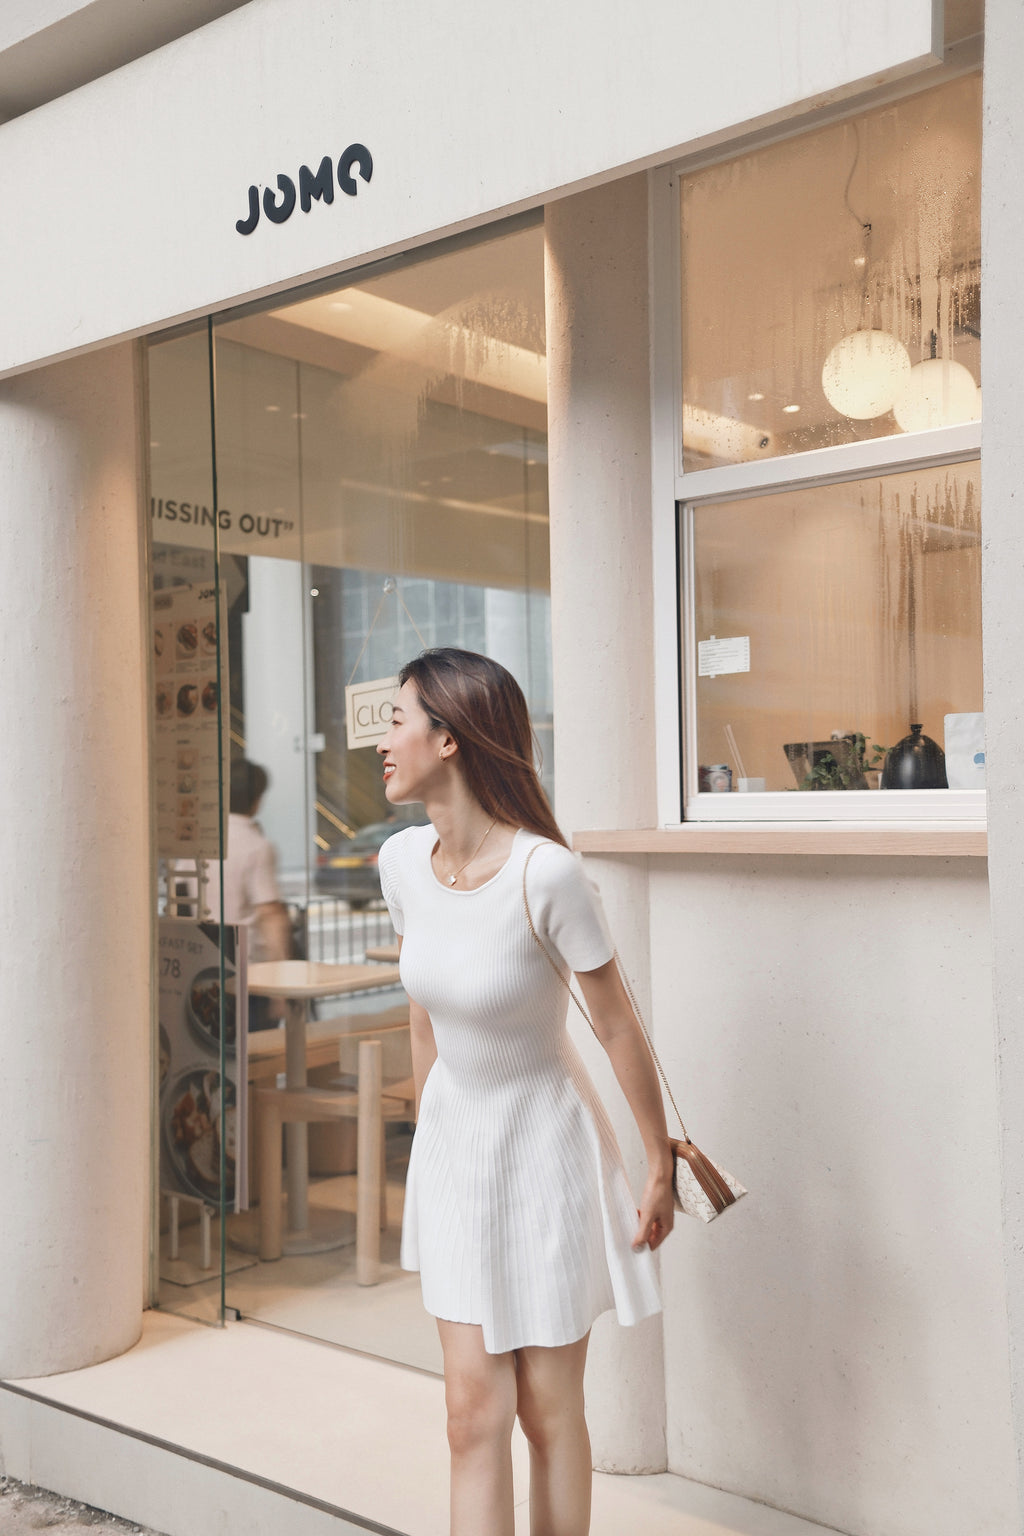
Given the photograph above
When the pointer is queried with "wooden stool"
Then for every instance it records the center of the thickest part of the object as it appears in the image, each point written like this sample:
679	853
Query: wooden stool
370	1106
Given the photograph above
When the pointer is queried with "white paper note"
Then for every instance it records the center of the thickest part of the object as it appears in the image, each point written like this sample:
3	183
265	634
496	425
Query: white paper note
715	656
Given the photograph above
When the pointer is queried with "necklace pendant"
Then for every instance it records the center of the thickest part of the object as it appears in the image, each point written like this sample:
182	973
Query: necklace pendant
452	879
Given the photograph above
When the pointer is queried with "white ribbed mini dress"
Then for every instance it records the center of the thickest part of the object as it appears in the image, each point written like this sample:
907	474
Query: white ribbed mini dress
518	1215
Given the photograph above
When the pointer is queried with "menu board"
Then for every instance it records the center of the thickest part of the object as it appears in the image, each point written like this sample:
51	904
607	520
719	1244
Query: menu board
199	1113
185	702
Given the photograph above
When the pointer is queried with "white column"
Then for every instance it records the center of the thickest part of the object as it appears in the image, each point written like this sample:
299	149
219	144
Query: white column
1003	625
75	897
602	639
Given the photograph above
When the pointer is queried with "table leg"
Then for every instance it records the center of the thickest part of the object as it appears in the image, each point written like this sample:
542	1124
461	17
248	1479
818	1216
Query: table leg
368	1180
296	1136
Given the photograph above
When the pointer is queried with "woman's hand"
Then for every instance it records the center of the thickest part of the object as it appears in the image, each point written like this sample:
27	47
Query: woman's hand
657	1210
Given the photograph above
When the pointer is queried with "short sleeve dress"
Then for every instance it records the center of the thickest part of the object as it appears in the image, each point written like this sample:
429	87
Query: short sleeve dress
518	1215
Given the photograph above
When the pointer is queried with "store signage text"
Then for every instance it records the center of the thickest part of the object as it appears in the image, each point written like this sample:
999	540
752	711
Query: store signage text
318	184
263	527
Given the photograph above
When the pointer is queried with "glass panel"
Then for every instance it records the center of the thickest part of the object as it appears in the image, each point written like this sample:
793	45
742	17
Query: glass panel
831	284
829	621
381	457
199	1097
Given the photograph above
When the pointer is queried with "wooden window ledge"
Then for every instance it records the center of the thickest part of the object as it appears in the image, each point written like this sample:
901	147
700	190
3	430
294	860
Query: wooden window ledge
936	840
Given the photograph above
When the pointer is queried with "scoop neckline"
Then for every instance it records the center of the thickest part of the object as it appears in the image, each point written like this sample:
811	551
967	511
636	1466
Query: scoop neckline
450	890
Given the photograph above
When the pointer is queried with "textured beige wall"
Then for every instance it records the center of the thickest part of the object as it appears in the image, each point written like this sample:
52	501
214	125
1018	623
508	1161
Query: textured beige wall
601	613
836	1347
74	868
1003	614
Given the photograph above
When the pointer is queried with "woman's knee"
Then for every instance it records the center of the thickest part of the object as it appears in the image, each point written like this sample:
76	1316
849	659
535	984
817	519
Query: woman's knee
549	1386
480	1413
546	1417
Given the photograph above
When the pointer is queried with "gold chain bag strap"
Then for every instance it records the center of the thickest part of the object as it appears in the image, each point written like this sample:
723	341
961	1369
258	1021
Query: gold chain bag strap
699	1186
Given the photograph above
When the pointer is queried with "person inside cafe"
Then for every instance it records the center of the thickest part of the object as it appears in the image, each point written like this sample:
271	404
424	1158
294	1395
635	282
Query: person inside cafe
251	894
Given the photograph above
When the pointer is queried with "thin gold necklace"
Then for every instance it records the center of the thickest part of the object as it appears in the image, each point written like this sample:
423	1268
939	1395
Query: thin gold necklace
451	879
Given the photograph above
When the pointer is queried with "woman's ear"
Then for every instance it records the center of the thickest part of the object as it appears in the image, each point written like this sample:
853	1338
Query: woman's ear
449	746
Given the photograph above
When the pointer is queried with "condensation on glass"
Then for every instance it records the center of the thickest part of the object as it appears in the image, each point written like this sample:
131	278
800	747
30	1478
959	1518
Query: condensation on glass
831	284
861	603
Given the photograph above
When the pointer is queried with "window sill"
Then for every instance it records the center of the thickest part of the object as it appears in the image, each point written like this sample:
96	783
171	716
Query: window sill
951	839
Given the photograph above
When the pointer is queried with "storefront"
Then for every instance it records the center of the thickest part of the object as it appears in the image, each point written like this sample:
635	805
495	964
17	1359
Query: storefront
664	387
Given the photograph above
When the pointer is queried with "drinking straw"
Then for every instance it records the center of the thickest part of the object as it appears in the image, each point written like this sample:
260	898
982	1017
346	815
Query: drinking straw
734	749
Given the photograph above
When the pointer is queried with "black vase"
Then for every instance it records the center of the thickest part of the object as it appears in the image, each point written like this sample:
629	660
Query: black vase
916	762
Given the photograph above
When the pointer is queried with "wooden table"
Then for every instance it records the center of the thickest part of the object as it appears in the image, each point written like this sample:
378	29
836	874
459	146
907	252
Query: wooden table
299	982
385	952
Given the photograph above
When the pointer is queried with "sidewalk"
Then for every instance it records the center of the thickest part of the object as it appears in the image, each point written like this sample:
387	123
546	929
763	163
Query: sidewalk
210	1421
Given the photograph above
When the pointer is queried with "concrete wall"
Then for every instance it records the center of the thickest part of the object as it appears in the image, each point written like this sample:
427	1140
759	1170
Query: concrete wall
145	172
1003	557
599	489
75	894
836	1346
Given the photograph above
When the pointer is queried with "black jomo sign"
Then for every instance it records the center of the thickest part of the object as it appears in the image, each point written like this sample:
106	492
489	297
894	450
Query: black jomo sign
315	185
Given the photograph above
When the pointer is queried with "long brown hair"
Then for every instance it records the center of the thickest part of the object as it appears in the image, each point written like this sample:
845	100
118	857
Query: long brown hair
483	707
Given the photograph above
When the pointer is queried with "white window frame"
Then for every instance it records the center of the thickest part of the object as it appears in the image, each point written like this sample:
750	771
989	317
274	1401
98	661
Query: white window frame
677	493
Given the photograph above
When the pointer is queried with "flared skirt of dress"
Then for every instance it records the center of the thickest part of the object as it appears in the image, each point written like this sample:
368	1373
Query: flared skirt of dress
518	1214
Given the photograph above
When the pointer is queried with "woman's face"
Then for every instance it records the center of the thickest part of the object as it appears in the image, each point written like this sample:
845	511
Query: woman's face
412	750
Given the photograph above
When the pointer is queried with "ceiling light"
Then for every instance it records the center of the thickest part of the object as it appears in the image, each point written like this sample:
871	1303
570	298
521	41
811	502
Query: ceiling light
864	373
790	410
860	261
314	591
154	445
272	408
937	393
757	395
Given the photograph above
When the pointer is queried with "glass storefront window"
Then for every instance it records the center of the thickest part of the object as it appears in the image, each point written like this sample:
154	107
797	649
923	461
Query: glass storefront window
831	284
830	620
373	481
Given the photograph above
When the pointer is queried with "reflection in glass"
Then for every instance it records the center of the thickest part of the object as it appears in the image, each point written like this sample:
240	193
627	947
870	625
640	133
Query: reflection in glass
861	603
381	457
831	283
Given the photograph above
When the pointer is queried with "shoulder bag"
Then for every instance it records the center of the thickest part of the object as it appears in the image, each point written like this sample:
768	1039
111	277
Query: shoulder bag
699	1187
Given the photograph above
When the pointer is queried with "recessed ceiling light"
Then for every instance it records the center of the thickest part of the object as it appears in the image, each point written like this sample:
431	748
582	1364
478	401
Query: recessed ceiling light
298	415
271	408
790	409
340	305
860	261
314	591
757	395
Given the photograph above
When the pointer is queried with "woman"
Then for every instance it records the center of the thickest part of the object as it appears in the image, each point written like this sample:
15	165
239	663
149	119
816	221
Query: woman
517	1215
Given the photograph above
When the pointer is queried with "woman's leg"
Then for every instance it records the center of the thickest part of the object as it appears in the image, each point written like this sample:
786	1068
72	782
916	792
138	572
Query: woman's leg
550	1398
480	1395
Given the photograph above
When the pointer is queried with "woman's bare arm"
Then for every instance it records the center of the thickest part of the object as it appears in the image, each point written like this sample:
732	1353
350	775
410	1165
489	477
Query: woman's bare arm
618	1031
421	1035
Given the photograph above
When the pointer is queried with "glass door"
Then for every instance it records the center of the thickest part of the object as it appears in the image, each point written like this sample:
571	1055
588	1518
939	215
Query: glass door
381	469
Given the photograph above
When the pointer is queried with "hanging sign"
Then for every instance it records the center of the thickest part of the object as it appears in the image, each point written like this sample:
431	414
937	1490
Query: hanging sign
368	710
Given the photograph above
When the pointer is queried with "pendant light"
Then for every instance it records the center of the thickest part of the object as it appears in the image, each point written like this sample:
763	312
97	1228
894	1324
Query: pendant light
866	370
937	392
865	373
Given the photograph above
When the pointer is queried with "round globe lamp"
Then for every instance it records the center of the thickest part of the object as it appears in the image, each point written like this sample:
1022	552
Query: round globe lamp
937	393
863	374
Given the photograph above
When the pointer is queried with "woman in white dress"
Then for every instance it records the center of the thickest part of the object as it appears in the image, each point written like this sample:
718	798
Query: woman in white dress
518	1215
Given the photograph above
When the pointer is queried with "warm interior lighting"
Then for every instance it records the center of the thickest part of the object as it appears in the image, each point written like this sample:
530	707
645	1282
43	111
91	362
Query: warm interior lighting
937	393
864	373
